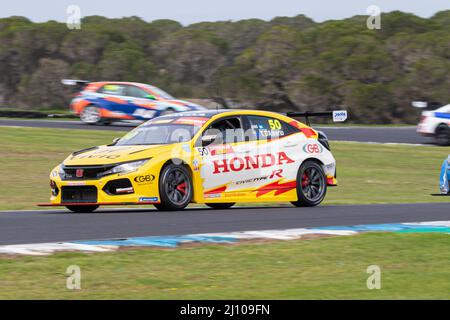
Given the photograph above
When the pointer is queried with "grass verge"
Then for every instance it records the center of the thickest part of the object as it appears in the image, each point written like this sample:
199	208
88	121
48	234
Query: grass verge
413	266
367	173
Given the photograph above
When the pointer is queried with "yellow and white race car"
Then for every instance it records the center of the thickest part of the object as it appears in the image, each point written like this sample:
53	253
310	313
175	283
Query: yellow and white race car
215	157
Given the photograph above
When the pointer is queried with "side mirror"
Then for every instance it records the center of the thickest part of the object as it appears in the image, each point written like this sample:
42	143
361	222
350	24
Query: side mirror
150	97
115	140
208	139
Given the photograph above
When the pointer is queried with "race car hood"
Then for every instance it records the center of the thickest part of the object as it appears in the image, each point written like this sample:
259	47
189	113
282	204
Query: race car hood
114	154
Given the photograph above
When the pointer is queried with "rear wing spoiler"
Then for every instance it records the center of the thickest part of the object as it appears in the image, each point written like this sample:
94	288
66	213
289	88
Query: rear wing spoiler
426	105
337	115
73	82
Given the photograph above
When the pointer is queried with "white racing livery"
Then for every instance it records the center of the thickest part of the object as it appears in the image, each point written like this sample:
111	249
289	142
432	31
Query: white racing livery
263	157
436	123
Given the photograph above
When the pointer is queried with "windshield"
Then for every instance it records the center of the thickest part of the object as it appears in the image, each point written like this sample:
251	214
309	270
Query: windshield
159	92
158	134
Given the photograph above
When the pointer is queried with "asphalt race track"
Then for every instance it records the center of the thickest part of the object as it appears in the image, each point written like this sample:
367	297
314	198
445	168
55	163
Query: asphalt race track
59	225
360	134
376	134
24	227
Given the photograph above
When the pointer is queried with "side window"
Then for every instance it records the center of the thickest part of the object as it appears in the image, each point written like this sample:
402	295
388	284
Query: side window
289	129
133	91
224	131
265	128
112	89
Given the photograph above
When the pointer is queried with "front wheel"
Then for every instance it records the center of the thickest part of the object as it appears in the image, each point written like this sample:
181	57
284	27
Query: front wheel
311	185
443	135
220	205
175	188
82	209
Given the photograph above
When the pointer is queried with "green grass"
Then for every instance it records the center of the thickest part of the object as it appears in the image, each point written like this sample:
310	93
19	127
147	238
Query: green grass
29	154
367	173
374	173
413	266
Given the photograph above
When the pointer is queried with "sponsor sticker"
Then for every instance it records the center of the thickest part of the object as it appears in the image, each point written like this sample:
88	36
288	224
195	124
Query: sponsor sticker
160	121
250	162
149	199
194	121
196	165
212	195
76	183
144	179
339	115
312	148
236	194
221	149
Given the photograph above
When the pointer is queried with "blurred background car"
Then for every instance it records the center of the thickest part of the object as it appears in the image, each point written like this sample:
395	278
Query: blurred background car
435	123
105	102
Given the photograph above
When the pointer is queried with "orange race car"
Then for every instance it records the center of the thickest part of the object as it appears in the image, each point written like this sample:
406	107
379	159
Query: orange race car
104	102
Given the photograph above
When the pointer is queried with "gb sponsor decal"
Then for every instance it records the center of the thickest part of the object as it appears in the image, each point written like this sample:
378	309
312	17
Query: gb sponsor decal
313	148
144	179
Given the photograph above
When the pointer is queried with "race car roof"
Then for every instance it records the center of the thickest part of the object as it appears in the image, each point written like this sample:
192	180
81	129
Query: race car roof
214	112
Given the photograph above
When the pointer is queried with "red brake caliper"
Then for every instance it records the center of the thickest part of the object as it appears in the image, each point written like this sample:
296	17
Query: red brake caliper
182	187
305	180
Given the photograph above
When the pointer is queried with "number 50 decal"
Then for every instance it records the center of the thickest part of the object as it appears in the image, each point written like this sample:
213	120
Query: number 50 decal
274	124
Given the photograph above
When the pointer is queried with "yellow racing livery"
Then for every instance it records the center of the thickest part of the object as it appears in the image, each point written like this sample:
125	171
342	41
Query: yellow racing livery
215	157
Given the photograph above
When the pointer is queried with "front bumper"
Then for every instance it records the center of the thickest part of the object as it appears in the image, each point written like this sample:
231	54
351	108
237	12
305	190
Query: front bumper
144	190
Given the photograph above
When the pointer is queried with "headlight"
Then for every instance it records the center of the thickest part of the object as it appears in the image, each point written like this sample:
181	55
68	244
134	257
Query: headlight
124	168
61	172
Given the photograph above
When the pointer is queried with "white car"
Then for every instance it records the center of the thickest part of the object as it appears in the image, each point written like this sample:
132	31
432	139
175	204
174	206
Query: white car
436	123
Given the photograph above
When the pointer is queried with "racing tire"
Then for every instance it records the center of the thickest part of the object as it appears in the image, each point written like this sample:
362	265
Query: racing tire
220	205
175	188
443	135
311	185
82	209
91	115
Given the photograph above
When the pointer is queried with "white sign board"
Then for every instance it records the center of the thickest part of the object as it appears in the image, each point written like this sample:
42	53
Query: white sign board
339	115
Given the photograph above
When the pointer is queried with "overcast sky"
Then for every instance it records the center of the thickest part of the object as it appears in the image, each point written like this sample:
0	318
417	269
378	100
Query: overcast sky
190	11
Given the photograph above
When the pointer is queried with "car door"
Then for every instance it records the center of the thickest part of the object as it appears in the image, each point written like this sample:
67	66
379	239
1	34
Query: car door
275	145
141	104
112	98
220	155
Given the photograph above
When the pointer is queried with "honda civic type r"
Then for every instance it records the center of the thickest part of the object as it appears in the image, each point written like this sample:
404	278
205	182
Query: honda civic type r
215	157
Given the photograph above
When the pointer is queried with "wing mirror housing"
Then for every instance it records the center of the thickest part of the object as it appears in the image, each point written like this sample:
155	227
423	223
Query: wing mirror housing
208	139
